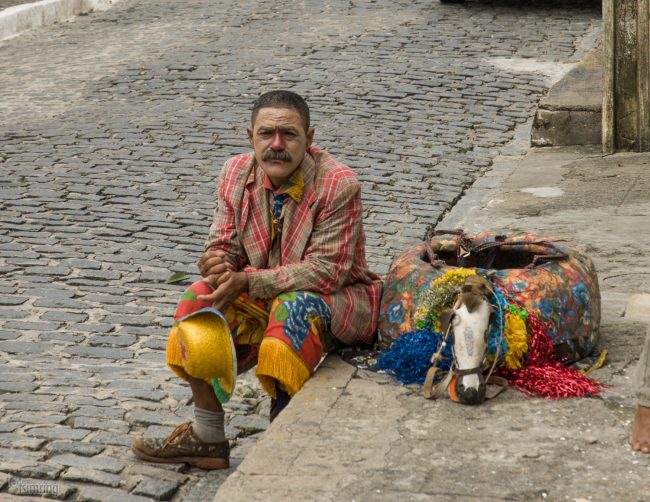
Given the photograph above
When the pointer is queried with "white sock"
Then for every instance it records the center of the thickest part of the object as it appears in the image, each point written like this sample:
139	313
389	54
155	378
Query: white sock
209	425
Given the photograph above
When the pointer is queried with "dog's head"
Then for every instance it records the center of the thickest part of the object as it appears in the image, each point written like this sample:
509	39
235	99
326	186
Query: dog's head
470	319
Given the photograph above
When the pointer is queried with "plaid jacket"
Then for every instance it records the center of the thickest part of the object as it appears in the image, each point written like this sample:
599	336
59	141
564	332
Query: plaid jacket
322	243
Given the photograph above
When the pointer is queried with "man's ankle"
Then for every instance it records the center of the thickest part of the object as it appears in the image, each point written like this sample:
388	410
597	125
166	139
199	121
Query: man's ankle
209	425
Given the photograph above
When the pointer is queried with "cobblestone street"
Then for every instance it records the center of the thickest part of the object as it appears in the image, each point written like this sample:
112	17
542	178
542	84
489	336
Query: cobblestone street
113	129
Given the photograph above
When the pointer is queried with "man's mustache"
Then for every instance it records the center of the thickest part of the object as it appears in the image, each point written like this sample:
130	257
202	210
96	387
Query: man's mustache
277	155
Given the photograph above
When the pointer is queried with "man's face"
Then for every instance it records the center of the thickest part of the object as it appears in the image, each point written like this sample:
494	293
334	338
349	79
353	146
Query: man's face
279	139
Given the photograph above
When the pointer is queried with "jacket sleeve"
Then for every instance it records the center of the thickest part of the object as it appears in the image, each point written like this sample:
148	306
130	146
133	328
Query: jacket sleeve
330	253
223	233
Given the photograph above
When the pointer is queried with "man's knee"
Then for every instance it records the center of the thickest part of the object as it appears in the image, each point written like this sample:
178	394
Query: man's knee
300	306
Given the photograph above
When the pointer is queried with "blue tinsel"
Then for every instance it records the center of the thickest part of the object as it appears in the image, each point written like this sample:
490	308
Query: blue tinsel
498	324
409	358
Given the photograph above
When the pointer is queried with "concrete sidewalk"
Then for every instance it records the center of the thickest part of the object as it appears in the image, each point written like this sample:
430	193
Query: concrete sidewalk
354	435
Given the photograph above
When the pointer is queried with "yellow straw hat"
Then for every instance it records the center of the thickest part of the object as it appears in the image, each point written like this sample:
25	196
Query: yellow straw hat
207	350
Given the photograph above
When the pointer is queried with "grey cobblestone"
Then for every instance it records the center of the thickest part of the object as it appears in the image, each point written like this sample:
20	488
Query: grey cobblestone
101	424
110	160
31	469
9	426
39	418
17	387
100	494
38	488
54	433
77	448
9	440
158	489
99	463
94	476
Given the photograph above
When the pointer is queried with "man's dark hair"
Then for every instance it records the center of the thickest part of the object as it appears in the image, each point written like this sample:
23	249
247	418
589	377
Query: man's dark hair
282	99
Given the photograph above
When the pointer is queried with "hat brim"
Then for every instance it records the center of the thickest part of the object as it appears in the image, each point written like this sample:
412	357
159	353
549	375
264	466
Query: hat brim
208	351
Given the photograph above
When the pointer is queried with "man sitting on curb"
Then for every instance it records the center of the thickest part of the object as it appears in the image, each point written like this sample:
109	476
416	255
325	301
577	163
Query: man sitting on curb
284	266
641	428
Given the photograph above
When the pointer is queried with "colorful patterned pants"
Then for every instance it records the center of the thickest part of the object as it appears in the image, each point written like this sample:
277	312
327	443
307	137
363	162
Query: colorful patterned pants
286	337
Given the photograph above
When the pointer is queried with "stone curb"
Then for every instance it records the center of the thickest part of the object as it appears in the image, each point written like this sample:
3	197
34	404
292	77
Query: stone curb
304	416
20	18
570	114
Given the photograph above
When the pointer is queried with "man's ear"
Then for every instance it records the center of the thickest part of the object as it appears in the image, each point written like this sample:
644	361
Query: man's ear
249	131
310	136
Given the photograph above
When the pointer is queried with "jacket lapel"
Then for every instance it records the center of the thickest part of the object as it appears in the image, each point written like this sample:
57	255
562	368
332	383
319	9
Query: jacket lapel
256	220
298	218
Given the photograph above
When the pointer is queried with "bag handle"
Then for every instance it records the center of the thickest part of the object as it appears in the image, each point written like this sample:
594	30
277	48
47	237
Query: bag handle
469	248
434	261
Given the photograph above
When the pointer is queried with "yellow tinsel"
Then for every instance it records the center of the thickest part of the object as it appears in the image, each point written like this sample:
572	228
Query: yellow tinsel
441	293
517	339
455	276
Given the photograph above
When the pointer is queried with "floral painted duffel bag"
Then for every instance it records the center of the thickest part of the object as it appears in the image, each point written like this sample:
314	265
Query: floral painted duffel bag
545	276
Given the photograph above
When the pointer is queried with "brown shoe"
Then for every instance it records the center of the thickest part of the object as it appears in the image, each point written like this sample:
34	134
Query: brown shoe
183	445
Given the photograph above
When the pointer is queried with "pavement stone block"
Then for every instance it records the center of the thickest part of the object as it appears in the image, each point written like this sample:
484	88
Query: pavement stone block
101	494
32	325
149	395
158	489
130	320
141	384
119	340
74	447
89	401
112	438
89	475
50	292
54	433
46	271
31	470
24	347
9	440
248	424
12	300
40	418
98	463
69	382
9	426
40	488
9	454
98	412
17	387
9	335
208	483
92	328
114	354
57	390
27	396
145	418
64	316
156	472
36	406
62	337
101	424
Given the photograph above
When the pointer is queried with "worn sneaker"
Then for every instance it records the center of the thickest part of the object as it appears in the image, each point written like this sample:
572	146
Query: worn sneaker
183	445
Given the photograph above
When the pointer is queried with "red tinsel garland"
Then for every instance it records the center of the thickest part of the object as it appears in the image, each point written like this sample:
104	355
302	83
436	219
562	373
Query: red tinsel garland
542	375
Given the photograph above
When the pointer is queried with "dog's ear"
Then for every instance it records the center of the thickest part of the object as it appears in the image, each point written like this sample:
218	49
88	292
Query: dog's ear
445	319
481	283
